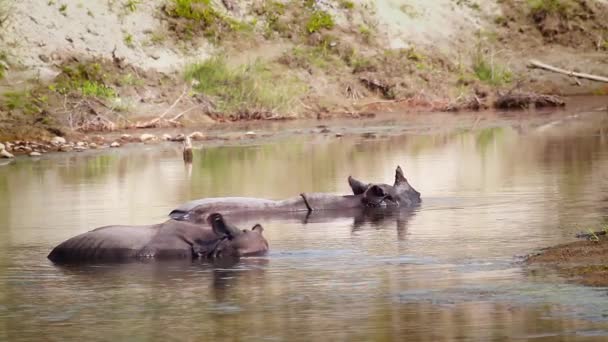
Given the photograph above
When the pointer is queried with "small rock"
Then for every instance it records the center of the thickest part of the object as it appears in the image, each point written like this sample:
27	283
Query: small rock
325	130
339	135
179	137
166	137
44	58
6	154
126	137
65	148
147	137
92	145
98	139
35	154
79	148
196	136
250	134
80	144
58	141
115	144
369	135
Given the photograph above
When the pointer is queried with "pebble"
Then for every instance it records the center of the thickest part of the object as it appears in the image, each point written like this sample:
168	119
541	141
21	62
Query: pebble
179	137
166	137
35	154
146	137
250	134
99	139
57	141
115	144
6	154
196	136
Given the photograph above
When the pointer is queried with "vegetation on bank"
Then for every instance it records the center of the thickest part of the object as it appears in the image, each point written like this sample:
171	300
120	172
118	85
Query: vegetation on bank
331	55
85	95
256	87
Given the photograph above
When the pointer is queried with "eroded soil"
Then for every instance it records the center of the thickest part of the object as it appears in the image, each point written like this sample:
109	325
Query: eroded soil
584	262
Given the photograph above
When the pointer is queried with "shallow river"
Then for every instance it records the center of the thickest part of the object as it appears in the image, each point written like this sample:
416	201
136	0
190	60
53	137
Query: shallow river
447	270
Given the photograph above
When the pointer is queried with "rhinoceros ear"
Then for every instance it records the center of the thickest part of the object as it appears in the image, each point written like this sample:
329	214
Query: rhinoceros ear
180	215
358	187
220	227
399	177
258	228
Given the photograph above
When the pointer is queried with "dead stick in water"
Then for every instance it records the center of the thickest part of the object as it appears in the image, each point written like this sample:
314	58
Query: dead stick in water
187	153
540	65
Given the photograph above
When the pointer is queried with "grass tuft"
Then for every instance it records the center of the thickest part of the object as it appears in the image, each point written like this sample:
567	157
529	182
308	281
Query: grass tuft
319	20
249	88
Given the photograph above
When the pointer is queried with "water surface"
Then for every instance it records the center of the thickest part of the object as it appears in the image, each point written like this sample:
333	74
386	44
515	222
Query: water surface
446	270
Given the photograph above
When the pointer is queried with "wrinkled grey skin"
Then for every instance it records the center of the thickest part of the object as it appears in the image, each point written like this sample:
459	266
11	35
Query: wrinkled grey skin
399	195
169	240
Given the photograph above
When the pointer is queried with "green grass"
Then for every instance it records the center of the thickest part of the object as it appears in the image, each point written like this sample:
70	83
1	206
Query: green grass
130	80
562	7
346	4
319	20
128	39
22	101
3	64
204	18
246	88
63	9
92	88
131	5
491	73
88	79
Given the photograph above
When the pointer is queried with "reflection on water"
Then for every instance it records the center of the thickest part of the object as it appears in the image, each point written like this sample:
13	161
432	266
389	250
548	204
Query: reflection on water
444	270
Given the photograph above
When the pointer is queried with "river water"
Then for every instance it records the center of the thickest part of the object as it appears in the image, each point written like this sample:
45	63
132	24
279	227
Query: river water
447	270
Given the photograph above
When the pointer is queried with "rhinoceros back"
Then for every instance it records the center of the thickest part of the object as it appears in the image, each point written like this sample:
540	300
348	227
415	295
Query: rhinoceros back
111	243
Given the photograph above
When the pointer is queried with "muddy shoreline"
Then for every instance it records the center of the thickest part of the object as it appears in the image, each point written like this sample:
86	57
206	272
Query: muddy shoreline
581	262
377	125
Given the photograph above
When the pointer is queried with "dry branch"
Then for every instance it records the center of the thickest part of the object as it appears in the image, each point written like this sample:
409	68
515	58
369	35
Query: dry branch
540	65
158	121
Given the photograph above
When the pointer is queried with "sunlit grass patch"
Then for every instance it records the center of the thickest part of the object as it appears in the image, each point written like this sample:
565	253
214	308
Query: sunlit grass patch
246	88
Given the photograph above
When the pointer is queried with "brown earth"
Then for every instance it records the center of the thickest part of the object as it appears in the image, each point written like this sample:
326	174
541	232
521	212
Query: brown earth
584	262
350	69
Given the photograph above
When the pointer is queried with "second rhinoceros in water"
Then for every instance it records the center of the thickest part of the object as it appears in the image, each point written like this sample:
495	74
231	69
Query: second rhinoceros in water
365	195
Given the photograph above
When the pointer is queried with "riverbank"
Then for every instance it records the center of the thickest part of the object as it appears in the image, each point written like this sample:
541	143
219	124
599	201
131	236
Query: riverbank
583	262
72	68
370	126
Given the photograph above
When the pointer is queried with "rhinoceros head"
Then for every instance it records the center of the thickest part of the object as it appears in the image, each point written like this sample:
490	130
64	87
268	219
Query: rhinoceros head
401	193
236	242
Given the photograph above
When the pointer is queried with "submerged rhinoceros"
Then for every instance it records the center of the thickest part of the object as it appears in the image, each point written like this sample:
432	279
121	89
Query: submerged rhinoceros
365	195
169	240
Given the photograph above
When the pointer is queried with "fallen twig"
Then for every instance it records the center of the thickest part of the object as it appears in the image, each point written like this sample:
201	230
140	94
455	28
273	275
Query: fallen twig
540	65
